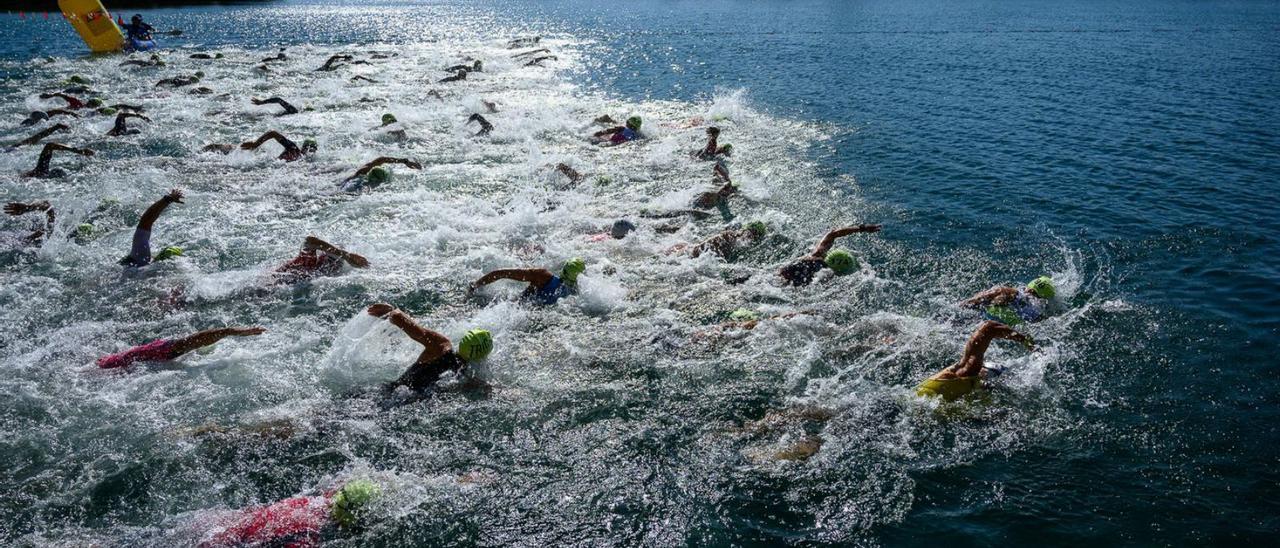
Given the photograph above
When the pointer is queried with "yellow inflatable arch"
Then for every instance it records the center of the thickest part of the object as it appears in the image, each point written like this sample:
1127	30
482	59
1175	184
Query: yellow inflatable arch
94	24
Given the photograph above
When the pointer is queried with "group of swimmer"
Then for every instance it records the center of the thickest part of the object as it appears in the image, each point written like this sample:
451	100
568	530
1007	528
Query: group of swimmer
302	517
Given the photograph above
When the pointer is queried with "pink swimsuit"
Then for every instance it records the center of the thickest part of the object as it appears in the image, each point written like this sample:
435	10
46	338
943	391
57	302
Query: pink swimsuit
155	351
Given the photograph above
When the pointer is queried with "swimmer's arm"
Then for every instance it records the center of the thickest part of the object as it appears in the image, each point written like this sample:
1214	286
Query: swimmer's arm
608	132
37	137
386	160
152	213
251	145
212	336
998	293
353	259
59	146
20	208
538	277
824	246
436	344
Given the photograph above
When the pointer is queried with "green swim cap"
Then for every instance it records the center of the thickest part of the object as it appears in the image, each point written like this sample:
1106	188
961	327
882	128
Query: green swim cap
199	74
77	79
169	253
108	111
378	175
572	268
1042	287
728	148
348	503
758	228
475	345
388	119
310	144
841	261
83	233
93	103
634	122
744	315
217	56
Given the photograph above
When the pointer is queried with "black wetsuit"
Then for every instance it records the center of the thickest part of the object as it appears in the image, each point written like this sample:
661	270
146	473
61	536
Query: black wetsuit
802	271
421	376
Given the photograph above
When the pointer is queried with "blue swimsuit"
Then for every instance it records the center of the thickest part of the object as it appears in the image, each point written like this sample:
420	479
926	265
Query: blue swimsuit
553	291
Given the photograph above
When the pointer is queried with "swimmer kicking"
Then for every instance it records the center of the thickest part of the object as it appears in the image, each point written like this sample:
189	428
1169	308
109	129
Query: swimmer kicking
438	356
840	261
544	287
966	375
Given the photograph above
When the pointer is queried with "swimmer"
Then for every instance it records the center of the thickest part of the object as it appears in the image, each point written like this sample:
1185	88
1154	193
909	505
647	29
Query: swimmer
373	174
330	64
531	52
523	42
711	151
317	258
544	287
485	126
201	91
537	61
840	261
359	78
163	350
1012	306
288	108
474	67
138	30
20	208
46	155
438	356
130	108
298	521
966	375
140	252
456	76
204	56
180	81
41	135
720	197
621	134
153	61
291	152
121	128
489	106
743	319
72	102
726	244
277	57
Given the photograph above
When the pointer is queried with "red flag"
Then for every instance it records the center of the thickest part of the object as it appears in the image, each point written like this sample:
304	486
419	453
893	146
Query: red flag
46	15
119	20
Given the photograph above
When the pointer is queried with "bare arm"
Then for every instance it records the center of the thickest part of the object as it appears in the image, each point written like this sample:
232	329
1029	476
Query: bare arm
824	246
152	213
386	160
435	344
995	295
19	208
212	336
607	132
357	261
536	276
251	145
37	137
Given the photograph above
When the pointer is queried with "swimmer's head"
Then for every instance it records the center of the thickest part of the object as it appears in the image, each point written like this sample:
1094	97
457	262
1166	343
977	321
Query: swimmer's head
77	79
621	228
108	111
478	65
169	253
309	146
1042	287
137	17
475	345
217	56
757	228
388	119
633	123
93	103
727	150
713	130
38	115
743	315
378	175
83	233
347	508
199	74
572	268
841	261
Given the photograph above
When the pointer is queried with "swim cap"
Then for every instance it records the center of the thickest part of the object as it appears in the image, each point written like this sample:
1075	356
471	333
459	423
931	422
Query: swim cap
572	268
310	145
199	74
169	253
388	119
758	228
841	261
475	345
634	122
621	228
83	233
136	17
217	56
350	500
1042	287
77	79
727	149
93	103
378	175
108	111
744	315
713	130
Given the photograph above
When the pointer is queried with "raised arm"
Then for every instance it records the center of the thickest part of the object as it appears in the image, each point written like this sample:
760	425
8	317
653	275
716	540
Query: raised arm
434	343
824	246
386	160
536	276
47	132
152	213
250	145
353	259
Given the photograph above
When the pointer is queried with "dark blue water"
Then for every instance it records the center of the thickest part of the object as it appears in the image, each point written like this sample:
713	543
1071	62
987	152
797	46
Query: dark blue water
1144	136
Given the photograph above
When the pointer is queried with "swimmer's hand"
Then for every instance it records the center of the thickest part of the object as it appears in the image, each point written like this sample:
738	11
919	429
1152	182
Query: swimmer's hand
380	310
357	261
868	228
174	196
247	331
